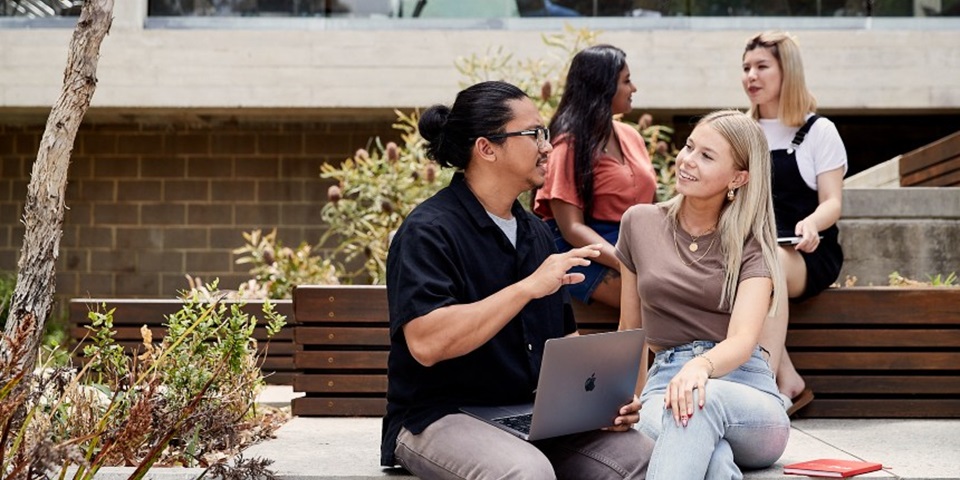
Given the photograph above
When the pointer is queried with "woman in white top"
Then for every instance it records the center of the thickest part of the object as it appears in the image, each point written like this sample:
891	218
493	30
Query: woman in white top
809	162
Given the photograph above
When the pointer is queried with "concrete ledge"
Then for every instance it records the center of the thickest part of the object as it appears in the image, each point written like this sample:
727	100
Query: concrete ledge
913	230
906	203
884	175
348	448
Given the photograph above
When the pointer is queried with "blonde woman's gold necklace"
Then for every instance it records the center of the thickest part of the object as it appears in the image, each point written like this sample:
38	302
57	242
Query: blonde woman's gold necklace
694	246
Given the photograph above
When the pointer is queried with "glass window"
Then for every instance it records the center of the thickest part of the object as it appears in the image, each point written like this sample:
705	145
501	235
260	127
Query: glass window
505	8
39	8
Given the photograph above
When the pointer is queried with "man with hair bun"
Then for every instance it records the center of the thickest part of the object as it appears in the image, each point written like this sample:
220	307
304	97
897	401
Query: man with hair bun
473	287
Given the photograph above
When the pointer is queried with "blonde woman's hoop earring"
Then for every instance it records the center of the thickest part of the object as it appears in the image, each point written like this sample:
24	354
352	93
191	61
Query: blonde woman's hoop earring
731	195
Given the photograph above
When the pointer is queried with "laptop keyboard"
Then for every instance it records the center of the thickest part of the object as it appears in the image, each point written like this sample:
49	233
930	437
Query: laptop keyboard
520	423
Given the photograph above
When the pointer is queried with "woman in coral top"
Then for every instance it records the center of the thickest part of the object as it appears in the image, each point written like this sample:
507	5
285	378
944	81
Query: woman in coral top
598	168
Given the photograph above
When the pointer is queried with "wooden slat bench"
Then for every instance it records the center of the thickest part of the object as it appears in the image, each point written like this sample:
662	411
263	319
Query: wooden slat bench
343	336
933	165
131	314
879	351
866	352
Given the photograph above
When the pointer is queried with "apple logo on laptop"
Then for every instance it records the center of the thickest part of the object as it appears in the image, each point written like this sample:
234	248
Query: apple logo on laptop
591	382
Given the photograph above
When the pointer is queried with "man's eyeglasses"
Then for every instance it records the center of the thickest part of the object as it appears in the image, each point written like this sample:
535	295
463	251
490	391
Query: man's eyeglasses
541	134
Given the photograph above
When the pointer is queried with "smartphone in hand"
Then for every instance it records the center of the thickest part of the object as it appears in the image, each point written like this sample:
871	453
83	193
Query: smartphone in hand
791	240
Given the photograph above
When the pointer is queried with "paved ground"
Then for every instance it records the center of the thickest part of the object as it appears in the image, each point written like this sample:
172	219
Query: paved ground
348	448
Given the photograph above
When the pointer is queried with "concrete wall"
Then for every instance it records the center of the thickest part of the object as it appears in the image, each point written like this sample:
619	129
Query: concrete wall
914	231
679	64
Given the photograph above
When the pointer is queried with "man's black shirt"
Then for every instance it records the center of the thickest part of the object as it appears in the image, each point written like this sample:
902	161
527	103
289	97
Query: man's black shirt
449	252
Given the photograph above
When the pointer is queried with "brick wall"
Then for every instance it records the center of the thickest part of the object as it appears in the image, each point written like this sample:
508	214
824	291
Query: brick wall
150	203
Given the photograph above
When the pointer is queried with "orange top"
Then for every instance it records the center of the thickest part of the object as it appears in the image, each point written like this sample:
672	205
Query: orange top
616	186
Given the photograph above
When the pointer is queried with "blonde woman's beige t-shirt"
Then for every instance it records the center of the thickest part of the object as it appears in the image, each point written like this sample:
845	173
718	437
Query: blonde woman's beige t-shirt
679	303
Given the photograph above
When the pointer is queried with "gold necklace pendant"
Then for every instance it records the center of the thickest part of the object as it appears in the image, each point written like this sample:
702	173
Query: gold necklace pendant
693	247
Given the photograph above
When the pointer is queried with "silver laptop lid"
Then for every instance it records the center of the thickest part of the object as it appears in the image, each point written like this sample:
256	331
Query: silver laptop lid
584	380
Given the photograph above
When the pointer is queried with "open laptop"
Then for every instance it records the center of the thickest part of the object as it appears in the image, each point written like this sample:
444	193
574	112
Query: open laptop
584	380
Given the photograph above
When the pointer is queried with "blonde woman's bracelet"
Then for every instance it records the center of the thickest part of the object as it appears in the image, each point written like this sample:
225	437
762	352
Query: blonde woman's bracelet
713	368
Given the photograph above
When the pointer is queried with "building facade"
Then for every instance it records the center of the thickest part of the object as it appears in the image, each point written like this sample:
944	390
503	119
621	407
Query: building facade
202	128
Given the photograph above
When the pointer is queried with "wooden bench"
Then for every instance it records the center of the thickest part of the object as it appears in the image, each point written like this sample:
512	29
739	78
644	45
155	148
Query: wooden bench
131	314
866	352
343	336
933	165
879	352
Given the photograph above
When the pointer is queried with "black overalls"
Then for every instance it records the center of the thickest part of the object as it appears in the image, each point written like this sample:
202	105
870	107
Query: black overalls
793	201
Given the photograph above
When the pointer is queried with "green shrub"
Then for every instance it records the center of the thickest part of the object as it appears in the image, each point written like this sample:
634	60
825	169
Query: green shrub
938	280
183	401
277	269
376	190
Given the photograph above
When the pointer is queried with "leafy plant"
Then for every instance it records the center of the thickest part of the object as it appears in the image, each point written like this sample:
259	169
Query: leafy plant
938	280
377	188
173	404
663	155
277	269
107	358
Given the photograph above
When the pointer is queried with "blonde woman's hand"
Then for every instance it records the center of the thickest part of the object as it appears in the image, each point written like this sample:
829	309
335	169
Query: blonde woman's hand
679	396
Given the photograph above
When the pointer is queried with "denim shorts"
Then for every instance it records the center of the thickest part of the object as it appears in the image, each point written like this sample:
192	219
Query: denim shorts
596	271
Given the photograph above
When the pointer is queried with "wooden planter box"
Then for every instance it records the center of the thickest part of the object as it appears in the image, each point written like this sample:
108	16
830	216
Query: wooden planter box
865	351
276	355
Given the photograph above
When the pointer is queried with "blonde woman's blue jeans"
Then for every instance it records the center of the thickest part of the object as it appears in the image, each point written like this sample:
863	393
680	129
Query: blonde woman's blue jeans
742	424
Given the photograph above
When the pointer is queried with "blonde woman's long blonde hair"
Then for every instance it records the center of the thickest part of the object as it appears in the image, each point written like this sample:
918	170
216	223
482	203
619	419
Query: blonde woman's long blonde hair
796	101
751	211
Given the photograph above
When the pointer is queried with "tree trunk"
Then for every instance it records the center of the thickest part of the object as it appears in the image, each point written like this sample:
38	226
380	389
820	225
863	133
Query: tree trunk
44	207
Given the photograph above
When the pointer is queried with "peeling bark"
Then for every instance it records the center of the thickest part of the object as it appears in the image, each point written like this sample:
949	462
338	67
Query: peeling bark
44	207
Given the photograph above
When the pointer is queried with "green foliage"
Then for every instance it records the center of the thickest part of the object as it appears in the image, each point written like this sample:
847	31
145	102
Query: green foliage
277	269
173	404
199	337
377	189
107	359
663	155
938	280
